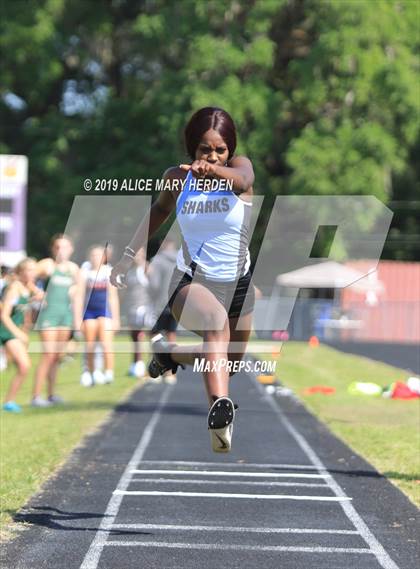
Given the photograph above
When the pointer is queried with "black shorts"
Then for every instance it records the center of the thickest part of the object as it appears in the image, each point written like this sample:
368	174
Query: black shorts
241	302
166	322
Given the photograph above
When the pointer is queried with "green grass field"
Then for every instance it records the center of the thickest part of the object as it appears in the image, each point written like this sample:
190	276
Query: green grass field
35	442
384	431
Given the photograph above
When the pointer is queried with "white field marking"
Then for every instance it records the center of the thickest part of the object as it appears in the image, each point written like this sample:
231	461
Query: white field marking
236	529
224	473
232	547
91	559
228	495
232	464
227	482
377	549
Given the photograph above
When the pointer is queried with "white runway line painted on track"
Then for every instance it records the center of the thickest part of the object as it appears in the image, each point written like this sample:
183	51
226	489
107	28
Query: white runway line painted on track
233	496
377	549
91	559
232	464
238	529
224	473
229	482
228	547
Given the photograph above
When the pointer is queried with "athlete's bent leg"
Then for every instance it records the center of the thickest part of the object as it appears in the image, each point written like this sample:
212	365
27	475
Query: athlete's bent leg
90	332
238	338
106	337
137	336
62	337
198	310
17	351
48	357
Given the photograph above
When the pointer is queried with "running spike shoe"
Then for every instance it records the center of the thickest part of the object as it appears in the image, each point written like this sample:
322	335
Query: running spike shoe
220	424
161	360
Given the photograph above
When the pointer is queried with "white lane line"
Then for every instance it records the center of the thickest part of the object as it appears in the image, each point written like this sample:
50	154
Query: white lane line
236	529
223	473
228	495
232	547
376	547
232	464
229	482
91	559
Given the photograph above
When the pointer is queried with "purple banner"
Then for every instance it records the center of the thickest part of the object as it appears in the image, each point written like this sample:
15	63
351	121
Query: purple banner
13	187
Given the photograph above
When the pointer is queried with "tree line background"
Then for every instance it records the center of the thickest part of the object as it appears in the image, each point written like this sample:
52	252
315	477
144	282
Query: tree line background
325	95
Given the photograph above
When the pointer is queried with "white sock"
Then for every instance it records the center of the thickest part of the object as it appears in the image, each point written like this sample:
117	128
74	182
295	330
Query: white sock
140	368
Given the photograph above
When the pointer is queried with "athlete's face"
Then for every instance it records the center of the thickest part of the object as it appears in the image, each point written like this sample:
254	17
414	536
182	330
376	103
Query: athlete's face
96	257
62	250
28	272
212	148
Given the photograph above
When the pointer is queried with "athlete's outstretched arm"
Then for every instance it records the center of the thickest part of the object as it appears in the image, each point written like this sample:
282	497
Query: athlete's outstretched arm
239	170
44	268
159	213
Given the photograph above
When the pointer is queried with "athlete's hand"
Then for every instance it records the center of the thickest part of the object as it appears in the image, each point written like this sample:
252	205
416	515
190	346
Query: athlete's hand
77	325
119	272
199	168
37	294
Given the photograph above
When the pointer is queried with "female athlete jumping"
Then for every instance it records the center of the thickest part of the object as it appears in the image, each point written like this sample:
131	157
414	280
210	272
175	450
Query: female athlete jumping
211	291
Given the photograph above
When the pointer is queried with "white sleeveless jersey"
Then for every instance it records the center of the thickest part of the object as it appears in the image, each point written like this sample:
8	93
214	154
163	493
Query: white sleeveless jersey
97	279
215	232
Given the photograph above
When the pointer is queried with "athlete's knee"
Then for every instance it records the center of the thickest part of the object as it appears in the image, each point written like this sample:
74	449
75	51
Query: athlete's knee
216	321
49	357
24	367
107	346
59	356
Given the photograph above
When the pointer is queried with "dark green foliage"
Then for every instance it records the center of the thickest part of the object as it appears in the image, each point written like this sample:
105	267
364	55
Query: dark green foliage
325	95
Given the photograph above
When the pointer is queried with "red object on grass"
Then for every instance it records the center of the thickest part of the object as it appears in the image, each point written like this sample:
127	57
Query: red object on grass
324	389
402	391
313	342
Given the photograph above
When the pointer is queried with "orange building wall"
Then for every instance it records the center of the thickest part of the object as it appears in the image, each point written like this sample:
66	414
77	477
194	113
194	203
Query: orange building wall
396	316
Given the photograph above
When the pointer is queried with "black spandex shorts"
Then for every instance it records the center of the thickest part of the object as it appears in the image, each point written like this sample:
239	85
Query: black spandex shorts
241	302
